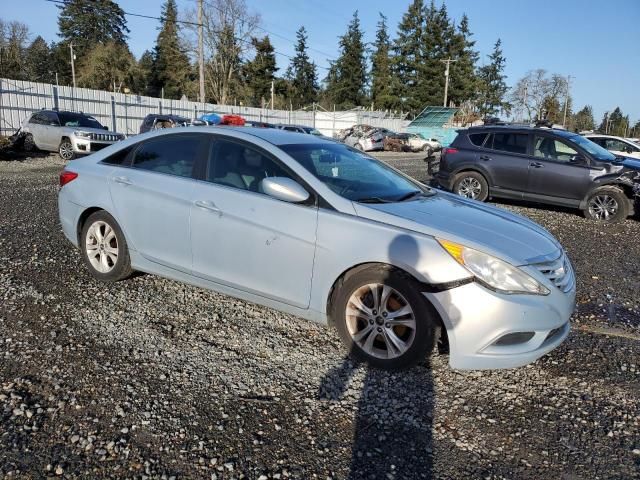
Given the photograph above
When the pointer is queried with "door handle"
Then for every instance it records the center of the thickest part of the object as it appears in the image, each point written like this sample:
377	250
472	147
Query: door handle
205	205
485	157
122	180
536	165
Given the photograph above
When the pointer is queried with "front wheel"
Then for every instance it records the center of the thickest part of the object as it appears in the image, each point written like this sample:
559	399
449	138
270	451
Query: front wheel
29	144
383	318
104	248
471	185
66	150
607	204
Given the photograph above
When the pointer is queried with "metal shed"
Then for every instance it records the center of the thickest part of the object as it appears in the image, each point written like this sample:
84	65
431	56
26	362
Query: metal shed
432	123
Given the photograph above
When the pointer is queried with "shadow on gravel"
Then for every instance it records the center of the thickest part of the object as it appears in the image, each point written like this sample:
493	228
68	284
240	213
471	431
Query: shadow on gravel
392	434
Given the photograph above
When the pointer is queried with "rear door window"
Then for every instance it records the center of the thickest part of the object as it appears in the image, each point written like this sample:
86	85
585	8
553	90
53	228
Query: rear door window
478	138
509	142
171	154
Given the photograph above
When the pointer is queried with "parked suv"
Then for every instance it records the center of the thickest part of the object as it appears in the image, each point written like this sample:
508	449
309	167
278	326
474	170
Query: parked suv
68	133
541	165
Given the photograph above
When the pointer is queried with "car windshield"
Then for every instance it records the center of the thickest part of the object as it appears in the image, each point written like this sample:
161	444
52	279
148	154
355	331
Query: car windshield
594	149
353	174
78	120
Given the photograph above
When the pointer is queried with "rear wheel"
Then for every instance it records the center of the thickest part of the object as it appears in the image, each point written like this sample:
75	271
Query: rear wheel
104	248
607	204
383	318
66	150
471	185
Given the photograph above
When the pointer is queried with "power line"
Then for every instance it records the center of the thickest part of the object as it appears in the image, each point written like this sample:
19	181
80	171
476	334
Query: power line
66	2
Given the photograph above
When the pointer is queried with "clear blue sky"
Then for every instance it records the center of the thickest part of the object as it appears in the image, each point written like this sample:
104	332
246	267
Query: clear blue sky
598	43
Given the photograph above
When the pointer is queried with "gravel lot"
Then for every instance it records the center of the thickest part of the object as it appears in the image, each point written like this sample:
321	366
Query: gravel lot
150	378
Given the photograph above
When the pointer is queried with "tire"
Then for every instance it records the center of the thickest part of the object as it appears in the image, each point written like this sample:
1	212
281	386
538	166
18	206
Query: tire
471	185
607	204
427	149
65	150
29	144
110	261
379	339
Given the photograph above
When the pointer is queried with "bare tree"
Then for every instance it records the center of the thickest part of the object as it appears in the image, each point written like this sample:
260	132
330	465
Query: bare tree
536	89
227	30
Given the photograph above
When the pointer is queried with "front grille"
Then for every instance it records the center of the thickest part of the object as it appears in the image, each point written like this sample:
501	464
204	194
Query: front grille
559	272
105	137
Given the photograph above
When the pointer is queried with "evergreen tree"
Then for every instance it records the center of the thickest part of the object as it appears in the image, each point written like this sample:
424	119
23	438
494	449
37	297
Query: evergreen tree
60	62
436	46
615	123
382	87
302	75
145	74
171	67
260	72
38	62
583	120
463	83
491	84
88	23
407	60
346	87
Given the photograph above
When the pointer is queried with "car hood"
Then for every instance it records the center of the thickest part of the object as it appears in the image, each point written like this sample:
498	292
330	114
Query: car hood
492	230
631	163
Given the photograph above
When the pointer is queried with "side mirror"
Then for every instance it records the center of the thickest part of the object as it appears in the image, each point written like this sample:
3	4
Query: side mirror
578	159
284	189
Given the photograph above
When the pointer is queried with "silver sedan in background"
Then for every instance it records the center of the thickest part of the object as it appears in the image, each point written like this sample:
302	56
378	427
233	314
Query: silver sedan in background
323	231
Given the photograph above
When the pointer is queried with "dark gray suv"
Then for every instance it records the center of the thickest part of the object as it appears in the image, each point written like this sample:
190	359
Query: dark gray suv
541	165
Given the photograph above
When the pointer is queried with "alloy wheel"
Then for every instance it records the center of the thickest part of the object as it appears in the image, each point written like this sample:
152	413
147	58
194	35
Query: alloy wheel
101	246
470	188
380	321
66	150
602	207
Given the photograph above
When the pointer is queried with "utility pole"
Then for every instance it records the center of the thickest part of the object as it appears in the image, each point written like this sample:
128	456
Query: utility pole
73	65
200	51
272	93
566	102
447	62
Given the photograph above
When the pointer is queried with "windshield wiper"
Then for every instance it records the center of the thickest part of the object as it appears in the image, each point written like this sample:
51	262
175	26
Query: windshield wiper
410	195
374	200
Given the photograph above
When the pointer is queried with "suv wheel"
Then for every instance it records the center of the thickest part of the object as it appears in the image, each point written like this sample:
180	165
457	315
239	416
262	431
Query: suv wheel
471	185
66	150
383	319
607	204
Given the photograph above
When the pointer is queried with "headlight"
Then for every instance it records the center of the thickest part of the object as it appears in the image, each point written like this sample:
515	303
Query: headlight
493	272
82	134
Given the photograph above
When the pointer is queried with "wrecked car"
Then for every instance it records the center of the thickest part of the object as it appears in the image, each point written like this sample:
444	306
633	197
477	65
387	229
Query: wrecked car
363	137
542	165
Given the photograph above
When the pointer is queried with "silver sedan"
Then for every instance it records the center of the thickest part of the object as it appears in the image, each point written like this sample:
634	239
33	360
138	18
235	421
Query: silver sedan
323	231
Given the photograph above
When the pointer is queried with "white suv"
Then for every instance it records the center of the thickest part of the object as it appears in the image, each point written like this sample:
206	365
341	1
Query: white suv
68	133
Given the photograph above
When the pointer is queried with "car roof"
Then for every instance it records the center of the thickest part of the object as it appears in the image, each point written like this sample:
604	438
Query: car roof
600	135
275	135
520	128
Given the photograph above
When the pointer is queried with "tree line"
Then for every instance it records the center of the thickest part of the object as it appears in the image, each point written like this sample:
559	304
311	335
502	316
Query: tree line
402	73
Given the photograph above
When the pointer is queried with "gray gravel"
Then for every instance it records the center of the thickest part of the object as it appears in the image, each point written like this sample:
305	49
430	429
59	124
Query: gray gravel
150	378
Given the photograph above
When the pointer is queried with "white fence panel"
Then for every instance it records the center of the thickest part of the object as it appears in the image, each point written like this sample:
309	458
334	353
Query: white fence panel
125	112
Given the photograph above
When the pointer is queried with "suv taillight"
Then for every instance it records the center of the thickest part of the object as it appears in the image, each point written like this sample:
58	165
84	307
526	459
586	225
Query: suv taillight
66	176
449	151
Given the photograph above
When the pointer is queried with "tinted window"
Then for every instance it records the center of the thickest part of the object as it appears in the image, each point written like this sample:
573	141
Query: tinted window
598	140
173	154
117	158
552	149
38	119
510	142
351	174
620	146
69	119
478	138
51	117
240	166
